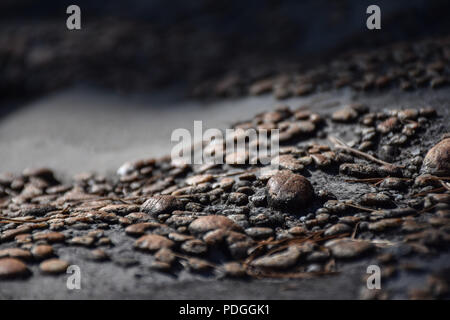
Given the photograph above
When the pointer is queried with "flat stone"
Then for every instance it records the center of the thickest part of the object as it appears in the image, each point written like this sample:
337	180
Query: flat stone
98	255
157	205
165	255
42	251
259	232
194	246
85	241
15	253
199	179
12	268
54	266
337	229
50	237
282	260
385	224
346	114
120	209
153	242
140	228
348	248
234	270
212	222
286	190
288	162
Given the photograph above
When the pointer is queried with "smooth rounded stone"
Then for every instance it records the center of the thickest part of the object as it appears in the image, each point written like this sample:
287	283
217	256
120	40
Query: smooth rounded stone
298	231
226	183
238	198
15	253
85	241
165	255
337	229
393	183
346	114
215	237
358	170
153	242
239	250
283	260
437	160
157	205
160	266
318	256
50	237
348	248
234	270
199	179
376	199
54	266
212	222
408	114
259	232
427	112
139	229
287	190
388	125
120	209
384	224
98	255
42	251
194	246
196	264
12	268
179	237
288	162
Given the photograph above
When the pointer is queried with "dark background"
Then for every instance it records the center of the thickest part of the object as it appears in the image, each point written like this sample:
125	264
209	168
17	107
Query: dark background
145	44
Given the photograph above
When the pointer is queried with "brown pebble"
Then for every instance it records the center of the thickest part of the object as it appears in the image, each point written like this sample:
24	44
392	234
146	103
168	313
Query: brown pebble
12	268
212	222
388	125
42	251
437	160
234	270
348	248
282	260
287	190
153	242
157	205
140	228
50	237
54	266
15	253
346	114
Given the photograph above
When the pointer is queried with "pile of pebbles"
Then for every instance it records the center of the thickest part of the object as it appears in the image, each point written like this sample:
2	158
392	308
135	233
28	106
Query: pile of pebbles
235	220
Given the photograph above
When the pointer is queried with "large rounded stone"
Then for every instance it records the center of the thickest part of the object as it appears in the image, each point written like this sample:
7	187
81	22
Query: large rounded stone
12	268
437	160
289	191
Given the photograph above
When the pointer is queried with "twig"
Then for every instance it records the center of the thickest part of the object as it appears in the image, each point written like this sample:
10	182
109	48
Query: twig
339	144
446	185
360	207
